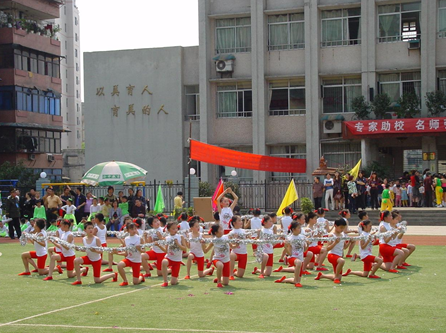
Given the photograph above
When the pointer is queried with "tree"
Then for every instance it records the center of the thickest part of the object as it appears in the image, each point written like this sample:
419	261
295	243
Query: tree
205	189
26	176
361	107
409	105
380	105
436	102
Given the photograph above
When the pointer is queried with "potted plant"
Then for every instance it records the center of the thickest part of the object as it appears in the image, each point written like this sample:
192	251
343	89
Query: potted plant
361	107
436	102
380	105
409	105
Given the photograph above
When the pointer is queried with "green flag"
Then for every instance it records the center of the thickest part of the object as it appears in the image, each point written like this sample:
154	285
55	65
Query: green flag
159	204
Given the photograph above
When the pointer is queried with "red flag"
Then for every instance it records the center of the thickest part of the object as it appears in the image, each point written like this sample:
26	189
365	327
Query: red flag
219	190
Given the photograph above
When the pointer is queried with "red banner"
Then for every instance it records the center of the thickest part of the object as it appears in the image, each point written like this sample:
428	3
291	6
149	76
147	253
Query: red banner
397	126
203	152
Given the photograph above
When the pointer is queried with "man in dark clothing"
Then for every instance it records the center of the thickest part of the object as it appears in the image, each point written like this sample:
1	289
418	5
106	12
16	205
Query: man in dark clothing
138	210
79	201
428	191
12	211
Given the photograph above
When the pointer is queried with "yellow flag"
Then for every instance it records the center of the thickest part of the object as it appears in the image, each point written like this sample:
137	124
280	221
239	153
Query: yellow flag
289	198
355	171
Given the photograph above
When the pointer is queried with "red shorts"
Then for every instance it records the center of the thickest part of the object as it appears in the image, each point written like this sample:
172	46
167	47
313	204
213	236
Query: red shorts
226	267
291	262
96	265
316	250
136	267
270	260
40	260
156	256
401	246
368	262
376	242
333	260
68	260
200	262
387	252
175	267
278	245
242	260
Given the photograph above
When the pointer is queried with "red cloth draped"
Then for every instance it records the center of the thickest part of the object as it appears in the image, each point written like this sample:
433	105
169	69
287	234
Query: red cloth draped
203	152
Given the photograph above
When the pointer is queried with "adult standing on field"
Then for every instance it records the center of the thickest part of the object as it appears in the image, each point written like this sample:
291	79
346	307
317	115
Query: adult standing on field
52	204
12	211
79	201
328	184
318	192
178	201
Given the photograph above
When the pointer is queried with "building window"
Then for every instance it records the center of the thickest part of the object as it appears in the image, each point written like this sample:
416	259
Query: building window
397	84
77	93
78	121
286	31
65	10
295	151
442	81
192	103
39	101
287	98
65	27
35	141
66	102
6	98
399	22
233	35
341	155
442	18
66	87
66	45
78	134
338	94
75	20
77	107
77	67
66	73
341	27
75	37
242	174
55	175
75	52
77	79
234	100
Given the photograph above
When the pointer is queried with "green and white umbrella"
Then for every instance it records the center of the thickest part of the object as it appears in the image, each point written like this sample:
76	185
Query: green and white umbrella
113	173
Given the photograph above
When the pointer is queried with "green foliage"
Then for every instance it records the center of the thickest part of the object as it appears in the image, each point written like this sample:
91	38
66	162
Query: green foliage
26	176
409	105
235	187
306	205
205	189
436	102
190	211
381	170
380	105
361	107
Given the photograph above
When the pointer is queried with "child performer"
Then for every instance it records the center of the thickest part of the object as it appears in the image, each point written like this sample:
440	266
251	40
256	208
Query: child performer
183	223
345	214
256	224
285	223
239	252
94	209
40	252
221	258
406	248
93	258
65	254
176	244
387	245
387	203
295	248
336	253
197	251
315	247
156	253
225	209
100	230
132	256
39	211
371	263
69	210
268	250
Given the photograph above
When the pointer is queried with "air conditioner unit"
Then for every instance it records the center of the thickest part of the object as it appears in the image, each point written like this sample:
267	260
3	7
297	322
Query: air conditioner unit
414	44
50	157
224	66
32	157
332	126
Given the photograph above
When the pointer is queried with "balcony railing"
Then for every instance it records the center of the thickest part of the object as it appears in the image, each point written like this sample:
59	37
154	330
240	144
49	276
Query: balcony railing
399	38
293	112
341	42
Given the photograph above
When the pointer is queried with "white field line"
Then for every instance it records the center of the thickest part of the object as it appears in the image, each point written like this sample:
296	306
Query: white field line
95	301
151	329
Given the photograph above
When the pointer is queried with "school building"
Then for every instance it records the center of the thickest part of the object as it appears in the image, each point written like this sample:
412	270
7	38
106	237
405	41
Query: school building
274	77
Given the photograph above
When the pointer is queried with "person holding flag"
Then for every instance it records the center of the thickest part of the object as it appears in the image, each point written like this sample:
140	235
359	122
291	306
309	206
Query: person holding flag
225	209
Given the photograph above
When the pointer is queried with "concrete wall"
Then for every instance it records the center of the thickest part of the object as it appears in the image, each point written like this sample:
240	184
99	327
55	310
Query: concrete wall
154	142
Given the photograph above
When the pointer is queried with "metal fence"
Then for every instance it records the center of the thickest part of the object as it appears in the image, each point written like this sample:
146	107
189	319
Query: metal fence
269	195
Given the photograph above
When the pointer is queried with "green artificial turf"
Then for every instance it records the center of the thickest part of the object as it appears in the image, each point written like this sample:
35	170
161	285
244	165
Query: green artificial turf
412	301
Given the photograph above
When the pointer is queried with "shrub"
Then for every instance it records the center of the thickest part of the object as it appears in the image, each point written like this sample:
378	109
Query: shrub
409	105
361	107
205	189
306	205
436	102
380	105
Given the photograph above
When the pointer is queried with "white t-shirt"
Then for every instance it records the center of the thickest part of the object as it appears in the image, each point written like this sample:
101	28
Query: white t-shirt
286	221
338	249
297	249
184	225
268	247
225	215
155	237
95	209
196	247
102	234
256	223
69	209
70	252
388	227
239	234
59	234
93	256
133	255
174	253
221	251
368	249
41	250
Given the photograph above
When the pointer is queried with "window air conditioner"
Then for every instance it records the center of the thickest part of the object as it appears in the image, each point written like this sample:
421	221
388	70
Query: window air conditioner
332	126
32	157
50	157
413	44
224	66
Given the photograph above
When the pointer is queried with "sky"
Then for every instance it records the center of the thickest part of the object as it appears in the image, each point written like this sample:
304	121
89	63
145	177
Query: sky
134	24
